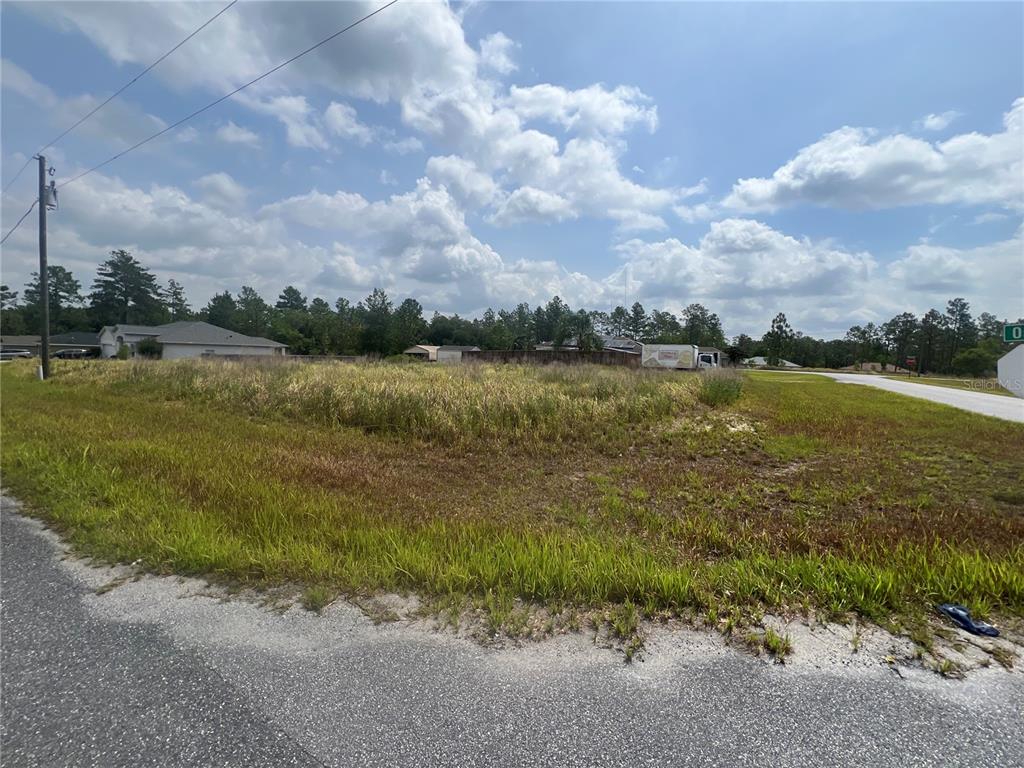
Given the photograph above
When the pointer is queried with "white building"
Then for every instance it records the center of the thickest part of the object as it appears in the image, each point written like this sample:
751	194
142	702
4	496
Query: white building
426	352
1011	371
452	353
186	339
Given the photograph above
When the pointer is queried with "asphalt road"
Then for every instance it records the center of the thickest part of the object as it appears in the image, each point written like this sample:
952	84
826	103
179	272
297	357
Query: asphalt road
1000	406
154	672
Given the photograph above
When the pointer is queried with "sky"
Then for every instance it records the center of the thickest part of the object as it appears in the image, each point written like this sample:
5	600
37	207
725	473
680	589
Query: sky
839	162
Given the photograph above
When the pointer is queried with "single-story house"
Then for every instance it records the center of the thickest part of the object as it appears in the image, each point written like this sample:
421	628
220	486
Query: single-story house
761	362
86	340
452	353
876	368
186	338
622	343
617	343
426	352
28	343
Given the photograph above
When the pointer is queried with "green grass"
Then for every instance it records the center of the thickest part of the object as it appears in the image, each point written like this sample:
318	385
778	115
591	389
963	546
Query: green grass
719	386
595	488
316	598
779	646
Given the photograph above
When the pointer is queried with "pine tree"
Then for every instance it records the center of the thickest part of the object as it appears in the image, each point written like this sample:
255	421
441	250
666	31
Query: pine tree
177	304
778	339
222	311
125	292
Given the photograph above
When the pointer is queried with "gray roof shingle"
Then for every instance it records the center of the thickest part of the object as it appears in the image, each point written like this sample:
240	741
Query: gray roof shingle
197	332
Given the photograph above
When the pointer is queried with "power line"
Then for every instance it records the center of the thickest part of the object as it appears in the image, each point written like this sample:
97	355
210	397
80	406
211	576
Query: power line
26	213
227	95
121	90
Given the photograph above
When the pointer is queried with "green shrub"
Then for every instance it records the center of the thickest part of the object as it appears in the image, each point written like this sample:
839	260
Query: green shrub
149	347
720	386
974	362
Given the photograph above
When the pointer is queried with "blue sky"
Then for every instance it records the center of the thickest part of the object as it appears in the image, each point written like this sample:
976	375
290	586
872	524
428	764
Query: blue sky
839	162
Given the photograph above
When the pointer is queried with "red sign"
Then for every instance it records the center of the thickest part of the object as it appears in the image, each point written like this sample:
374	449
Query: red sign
911	362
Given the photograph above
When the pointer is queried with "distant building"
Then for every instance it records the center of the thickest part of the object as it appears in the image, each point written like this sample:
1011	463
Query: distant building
426	352
29	344
452	353
186	339
72	340
617	343
760	362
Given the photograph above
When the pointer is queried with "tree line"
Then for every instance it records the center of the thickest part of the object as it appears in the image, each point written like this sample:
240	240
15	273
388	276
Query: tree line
125	291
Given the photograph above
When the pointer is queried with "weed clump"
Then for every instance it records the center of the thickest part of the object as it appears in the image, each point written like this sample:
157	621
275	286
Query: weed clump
433	403
720	386
316	598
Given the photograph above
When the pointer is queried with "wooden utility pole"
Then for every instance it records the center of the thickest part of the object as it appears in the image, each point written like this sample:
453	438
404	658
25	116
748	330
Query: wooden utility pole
44	277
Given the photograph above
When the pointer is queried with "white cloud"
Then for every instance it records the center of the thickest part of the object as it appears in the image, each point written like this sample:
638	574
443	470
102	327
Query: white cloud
387	178
15	79
636	221
937	122
693	213
988	217
343	272
302	125
496	53
992	275
848	168
421	235
590	110
404	146
400	49
223	192
530	204
743	257
120	122
342	120
207	248
236	134
413	55
463	179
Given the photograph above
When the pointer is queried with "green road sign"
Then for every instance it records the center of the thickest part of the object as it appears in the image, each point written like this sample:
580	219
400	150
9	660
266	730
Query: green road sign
1013	332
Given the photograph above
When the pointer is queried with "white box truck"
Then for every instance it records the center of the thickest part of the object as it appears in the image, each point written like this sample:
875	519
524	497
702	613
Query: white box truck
676	356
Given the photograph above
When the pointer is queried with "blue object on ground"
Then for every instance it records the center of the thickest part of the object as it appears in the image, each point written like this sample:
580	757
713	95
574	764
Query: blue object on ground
962	618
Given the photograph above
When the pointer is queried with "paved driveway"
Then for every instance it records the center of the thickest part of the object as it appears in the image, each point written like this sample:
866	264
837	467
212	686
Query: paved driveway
1010	408
152	674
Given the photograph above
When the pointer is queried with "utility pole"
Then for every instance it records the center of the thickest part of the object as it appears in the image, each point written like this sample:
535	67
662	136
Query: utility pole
44	278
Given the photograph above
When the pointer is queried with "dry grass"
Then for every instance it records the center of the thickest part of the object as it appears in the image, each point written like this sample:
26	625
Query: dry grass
584	487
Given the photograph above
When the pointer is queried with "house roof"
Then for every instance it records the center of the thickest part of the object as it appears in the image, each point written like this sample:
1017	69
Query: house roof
138	330
19	340
458	348
196	332
420	349
204	333
83	338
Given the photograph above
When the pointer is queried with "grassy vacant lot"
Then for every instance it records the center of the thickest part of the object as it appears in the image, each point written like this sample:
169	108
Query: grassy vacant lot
986	386
590	488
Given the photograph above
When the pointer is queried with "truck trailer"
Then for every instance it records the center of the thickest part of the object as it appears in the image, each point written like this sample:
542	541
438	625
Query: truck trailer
675	356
